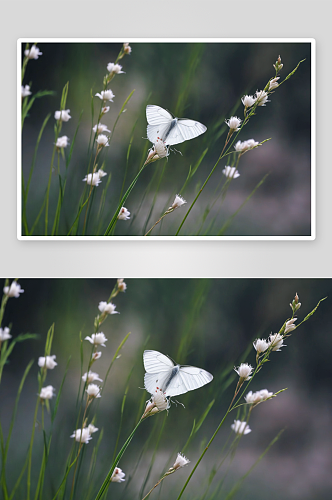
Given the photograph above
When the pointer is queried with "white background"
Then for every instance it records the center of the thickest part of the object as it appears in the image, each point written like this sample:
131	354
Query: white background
195	19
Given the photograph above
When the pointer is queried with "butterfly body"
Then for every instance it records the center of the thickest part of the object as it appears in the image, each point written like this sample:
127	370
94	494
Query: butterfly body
162	125
171	378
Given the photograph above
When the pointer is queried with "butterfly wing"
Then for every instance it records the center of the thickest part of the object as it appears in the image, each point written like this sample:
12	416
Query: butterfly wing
156	115
159	121
184	130
158	368
188	378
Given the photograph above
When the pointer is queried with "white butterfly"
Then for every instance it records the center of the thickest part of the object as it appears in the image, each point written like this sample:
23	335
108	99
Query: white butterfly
172	379
162	125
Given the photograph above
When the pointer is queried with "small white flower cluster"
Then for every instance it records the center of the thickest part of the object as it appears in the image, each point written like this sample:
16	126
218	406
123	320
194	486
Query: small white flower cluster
230	172
4	334
25	91
114	69
84	435
95	178
33	52
62	116
241	147
93	391
13	290
47	363
118	475
156	404
124	214
181	461
241	428
122	286
178	202
234	123
105	95
97	339
275	340
107	308
254	398
244	371
62	142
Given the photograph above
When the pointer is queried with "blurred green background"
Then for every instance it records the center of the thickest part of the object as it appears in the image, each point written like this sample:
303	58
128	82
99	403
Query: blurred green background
205	323
211	78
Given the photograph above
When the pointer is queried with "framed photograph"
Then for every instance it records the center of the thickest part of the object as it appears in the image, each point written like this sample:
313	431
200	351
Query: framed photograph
177	397
166	139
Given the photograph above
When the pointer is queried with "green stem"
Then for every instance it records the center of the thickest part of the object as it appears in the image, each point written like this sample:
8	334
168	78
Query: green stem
127	193
48	188
30	447
154	225
107	480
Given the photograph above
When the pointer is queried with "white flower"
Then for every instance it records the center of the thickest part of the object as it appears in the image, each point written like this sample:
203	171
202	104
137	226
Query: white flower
4	334
180	461
107	308
122	286
240	427
234	123
62	115
251	143
93	391
160	148
97	339
82	435
160	400
33	52
49	362
273	83
290	325
248	101
96	355
178	201
230	172
92	429
102	140
254	398
114	68
62	142
106	95
90	377
276	341
126	48
118	475
261	345
25	91
100	128
240	147
261	97
13	290
93	179
47	392
244	371
124	214
105	109
158	403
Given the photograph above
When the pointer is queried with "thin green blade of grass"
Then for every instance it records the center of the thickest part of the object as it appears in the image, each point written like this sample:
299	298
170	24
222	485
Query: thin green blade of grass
230	219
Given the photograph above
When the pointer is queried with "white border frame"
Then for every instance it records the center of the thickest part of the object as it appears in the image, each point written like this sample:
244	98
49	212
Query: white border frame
312	41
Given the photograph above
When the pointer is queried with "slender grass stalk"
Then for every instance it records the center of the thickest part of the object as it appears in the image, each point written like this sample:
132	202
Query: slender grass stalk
6	447
105	485
113	221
